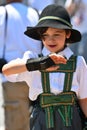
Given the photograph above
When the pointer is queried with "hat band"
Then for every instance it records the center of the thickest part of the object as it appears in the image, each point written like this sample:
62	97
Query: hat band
55	18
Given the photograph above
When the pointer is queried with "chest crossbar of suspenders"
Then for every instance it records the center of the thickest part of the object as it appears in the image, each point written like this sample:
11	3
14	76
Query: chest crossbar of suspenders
64	100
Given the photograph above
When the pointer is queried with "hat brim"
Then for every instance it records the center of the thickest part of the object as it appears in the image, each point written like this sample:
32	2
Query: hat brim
33	31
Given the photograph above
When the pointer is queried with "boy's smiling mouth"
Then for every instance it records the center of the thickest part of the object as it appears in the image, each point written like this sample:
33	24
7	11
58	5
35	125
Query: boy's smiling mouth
52	46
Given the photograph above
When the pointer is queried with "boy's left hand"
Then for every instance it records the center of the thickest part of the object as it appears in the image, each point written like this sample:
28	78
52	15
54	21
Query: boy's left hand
58	59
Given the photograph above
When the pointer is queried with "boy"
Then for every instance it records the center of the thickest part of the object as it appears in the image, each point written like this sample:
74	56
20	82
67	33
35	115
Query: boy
56	79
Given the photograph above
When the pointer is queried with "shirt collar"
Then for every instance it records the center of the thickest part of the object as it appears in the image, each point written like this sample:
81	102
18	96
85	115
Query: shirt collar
67	52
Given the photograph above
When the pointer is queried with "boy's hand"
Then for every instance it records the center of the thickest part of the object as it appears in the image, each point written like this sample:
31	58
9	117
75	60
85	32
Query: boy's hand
58	59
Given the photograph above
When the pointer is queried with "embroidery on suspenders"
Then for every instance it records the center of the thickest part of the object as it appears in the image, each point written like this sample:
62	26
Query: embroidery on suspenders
64	100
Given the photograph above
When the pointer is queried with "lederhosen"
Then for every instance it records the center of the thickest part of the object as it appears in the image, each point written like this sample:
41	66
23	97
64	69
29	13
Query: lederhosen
57	112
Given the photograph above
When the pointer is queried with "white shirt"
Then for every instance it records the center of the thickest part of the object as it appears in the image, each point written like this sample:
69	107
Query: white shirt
19	17
33	78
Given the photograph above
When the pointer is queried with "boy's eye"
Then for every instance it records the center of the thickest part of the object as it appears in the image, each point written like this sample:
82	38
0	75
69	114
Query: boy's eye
46	36
56	35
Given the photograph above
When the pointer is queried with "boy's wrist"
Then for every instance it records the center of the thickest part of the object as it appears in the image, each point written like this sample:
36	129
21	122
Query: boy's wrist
41	63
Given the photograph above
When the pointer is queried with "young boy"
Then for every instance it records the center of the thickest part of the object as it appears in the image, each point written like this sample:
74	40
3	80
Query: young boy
56	78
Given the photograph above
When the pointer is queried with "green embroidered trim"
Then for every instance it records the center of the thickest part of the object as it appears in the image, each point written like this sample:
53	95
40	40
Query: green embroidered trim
63	102
49	115
55	18
66	114
64	98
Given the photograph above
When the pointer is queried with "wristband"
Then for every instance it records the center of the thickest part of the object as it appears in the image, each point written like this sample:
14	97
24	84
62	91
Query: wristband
41	63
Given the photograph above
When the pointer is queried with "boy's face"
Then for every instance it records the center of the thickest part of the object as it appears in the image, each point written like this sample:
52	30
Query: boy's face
54	39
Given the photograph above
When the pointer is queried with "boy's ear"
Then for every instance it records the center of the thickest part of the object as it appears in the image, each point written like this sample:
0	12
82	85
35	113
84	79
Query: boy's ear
68	34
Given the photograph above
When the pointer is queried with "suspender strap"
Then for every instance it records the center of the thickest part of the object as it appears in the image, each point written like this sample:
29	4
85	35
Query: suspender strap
45	82
69	74
63	101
